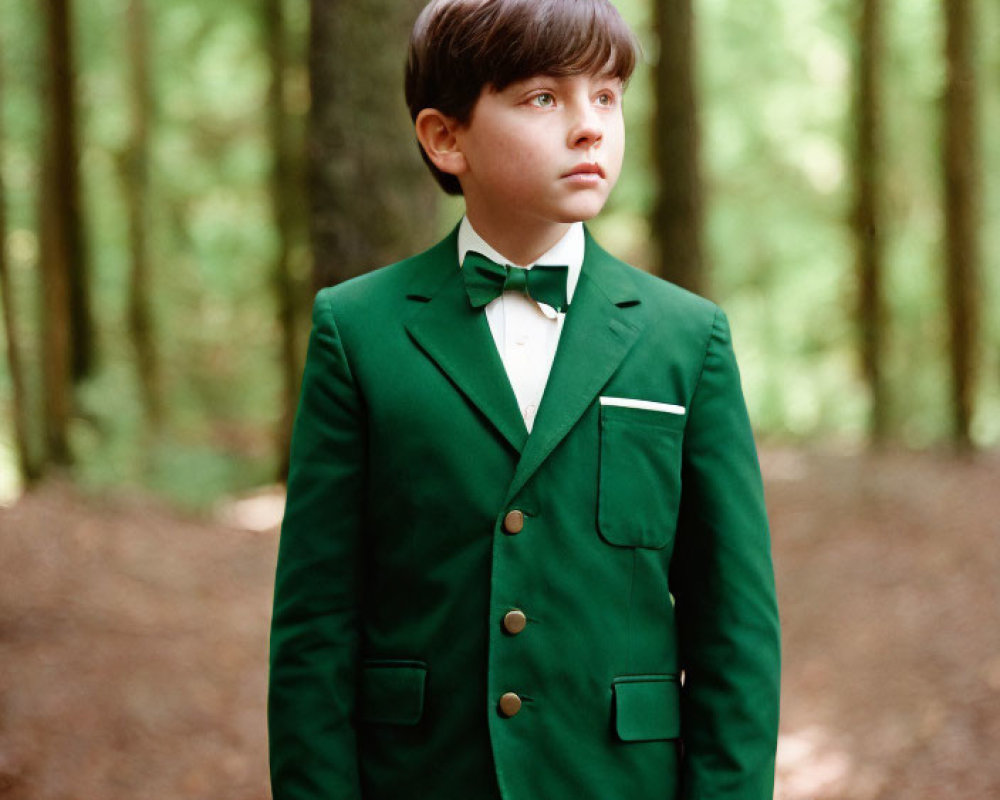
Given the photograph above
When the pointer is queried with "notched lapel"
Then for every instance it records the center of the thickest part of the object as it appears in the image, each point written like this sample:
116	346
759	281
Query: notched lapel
457	338
598	333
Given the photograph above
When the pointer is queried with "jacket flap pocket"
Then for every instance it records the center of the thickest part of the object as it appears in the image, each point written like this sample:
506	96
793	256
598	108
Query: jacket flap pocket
392	691
647	707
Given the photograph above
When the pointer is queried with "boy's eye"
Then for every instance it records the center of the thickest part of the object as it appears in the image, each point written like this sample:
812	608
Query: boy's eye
544	100
606	99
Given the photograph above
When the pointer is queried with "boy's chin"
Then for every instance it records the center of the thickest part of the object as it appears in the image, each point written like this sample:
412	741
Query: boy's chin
577	218
584	213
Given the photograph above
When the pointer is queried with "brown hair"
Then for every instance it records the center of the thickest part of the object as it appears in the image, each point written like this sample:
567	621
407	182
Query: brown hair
459	47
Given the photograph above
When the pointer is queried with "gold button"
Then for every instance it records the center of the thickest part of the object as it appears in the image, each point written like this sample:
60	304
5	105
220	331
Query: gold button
513	522
514	621
510	704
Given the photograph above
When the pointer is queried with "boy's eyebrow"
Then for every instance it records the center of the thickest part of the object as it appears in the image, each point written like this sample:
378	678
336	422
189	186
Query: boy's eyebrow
598	76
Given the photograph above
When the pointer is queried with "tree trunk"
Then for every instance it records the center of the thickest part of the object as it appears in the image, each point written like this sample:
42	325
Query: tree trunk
66	187
867	217
961	155
26	464
677	215
372	199
136	180
59	239
286	188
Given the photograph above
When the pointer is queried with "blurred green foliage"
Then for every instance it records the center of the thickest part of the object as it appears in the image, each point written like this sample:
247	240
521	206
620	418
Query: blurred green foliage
775	81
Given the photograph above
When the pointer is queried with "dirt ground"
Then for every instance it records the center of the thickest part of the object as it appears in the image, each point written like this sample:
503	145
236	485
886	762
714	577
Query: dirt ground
133	638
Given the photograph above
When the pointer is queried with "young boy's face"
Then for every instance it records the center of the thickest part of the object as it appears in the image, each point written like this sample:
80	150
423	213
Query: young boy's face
543	150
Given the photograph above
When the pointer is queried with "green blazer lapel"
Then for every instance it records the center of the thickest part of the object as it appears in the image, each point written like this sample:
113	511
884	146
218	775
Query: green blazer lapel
457	338
598	333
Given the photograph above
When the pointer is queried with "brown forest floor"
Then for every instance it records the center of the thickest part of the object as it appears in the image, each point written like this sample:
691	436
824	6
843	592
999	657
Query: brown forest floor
133	639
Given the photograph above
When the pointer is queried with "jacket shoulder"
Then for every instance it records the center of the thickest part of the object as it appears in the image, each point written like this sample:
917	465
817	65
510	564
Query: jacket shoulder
659	291
369	290
385	289
662	300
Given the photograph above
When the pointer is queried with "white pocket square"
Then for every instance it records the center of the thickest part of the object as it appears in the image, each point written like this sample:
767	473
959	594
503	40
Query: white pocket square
649	405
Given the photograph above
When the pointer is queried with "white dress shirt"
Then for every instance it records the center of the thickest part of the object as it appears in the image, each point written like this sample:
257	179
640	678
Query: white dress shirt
527	332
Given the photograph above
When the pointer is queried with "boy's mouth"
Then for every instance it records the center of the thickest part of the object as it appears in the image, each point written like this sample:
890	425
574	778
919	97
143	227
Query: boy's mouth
586	169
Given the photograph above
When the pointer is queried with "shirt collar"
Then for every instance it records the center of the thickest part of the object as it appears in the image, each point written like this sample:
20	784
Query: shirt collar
568	250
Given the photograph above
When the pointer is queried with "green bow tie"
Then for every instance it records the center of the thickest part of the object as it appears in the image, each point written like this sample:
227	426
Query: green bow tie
486	280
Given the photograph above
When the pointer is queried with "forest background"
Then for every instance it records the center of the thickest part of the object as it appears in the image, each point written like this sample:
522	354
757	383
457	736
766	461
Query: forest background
178	178
200	244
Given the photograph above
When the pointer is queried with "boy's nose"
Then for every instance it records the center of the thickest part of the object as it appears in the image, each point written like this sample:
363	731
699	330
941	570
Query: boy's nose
589	137
587	132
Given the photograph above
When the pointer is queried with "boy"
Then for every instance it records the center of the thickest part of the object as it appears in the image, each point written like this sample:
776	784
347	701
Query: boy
524	553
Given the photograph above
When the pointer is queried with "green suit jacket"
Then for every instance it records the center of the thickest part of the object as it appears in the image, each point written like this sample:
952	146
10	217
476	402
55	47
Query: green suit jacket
641	552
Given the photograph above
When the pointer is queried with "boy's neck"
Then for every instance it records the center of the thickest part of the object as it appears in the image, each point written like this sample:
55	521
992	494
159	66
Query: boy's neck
521	244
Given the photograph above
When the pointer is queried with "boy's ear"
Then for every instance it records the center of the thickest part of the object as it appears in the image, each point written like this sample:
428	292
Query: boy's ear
436	134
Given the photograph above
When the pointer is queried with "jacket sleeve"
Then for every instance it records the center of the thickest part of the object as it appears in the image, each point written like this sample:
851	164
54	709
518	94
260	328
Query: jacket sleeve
314	624
722	580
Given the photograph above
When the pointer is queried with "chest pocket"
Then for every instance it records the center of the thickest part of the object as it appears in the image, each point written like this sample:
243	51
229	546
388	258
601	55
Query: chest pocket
639	476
